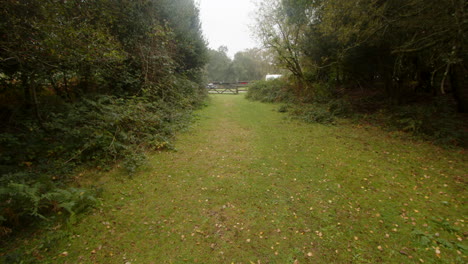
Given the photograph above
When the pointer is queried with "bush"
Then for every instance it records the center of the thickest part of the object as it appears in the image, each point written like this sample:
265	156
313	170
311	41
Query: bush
270	91
322	108
316	114
432	119
323	113
38	159
436	121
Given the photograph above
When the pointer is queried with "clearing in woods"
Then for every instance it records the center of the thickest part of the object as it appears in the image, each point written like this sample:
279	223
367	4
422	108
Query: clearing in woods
247	185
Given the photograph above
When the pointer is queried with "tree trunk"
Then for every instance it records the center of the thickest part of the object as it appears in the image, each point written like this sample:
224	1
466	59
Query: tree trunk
66	88
26	92
459	84
36	105
391	86
85	80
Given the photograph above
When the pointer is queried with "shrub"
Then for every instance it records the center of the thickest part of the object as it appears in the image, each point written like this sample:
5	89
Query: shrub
436	121
97	131
322	108
316	114
270	91
323	113
432	119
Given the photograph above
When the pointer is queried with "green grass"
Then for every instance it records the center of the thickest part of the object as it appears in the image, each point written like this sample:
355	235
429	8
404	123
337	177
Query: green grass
246	185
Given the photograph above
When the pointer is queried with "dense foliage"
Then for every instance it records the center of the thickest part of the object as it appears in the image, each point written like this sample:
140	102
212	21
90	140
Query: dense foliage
406	48
88	83
408	57
270	91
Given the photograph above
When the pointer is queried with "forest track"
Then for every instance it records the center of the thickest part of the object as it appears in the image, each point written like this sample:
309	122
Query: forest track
248	185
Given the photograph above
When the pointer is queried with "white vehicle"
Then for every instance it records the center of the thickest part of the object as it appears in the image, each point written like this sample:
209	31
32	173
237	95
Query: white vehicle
272	76
211	86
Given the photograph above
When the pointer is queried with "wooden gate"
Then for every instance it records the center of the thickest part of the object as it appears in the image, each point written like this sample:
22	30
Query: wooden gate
228	88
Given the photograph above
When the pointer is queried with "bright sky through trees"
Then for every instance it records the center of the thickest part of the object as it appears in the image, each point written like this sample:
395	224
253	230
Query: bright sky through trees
225	22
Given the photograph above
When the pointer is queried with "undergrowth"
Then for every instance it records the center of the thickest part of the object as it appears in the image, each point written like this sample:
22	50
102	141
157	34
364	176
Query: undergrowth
431	120
434	121
38	158
270	91
324	108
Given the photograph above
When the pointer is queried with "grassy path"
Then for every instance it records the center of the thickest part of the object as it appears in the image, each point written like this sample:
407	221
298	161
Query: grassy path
248	186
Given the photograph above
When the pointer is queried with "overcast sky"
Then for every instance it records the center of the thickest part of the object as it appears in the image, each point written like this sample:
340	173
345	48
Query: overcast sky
225	22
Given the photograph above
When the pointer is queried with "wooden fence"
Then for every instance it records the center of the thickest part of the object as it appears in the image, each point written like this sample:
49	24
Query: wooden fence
228	88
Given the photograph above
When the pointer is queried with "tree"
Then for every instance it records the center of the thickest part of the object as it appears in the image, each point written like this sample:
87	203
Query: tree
219	65
252	64
283	38
248	65
417	41
191	51
109	78
411	46
41	43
